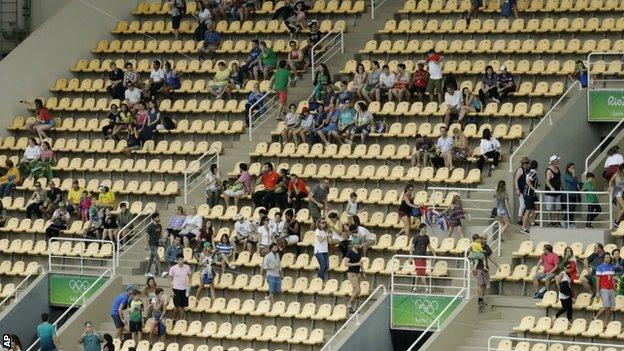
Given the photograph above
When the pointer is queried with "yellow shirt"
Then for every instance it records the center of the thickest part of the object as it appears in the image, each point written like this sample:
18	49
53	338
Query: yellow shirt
14	171
106	198
221	77
477	247
73	196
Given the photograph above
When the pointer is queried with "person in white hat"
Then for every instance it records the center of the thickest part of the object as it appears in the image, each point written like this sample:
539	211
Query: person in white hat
242	233
553	183
505	83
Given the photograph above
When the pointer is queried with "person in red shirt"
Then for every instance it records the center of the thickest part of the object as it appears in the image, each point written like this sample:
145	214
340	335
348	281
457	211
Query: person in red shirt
418	85
44	120
269	179
549	260
297	191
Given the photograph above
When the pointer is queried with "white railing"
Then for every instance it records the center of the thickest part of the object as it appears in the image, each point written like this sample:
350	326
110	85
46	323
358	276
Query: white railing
550	122
495	341
457	277
375	5
598	148
37	272
494	237
326	48
355	318
195	173
477	208
566	215
596	79
436	321
69	309
76	261
132	232
261	110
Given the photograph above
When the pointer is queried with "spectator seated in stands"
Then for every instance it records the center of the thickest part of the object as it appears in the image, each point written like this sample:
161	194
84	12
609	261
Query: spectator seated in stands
42	167
106	199
296	62
36	200
470	104
505	83
60	221
444	149
296	22
343	94
372	81
363	122
44	121
267	62
269	179
132	96
280	193
297	192
191	227
213	185
10	179
346	122
580	73
114	84
418	83
359	81
489	149
3	215
550	261
291	125
306	125
172	79
314	37
173	250
217	87
288	231
453	102
114	120
387	80
329	124
265	236
212	40
489	83
243	234
203	17
86	201
253	60
254	102
241	187
322	81
235	80
54	196
124	217
133	139
206	234
400	89
151	122
110	227
32	153
156	79
224	253
423	151
612	163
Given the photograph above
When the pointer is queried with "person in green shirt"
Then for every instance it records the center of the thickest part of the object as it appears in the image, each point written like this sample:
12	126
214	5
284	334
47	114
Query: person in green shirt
136	316
279	82
593	209
90	339
268	60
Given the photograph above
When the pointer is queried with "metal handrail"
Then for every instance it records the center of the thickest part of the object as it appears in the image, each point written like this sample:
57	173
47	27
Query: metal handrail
258	116
550	122
73	305
14	292
81	257
597	148
436	320
355	315
373	6
194	167
134	223
608	204
601	346
338	33
477	207
494	233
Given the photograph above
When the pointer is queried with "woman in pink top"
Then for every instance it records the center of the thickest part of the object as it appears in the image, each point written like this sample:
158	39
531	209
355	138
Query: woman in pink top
180	282
240	188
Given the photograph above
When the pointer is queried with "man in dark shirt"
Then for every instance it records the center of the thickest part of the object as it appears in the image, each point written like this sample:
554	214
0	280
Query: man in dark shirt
154	233
505	83
482	271
420	153
269	178
317	200
592	261
420	244
53	199
114	86
313	37
252	60
353	262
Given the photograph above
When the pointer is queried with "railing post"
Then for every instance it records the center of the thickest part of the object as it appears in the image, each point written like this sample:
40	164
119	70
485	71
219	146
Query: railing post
542	206
372	9
185	188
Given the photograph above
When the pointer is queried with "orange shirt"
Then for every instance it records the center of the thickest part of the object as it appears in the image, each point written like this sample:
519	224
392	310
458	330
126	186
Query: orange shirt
269	180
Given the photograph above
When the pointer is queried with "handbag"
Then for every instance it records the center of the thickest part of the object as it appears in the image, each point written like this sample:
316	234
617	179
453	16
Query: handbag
494	213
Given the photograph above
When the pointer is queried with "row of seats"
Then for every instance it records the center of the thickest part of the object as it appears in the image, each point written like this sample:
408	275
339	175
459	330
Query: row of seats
583	301
184	126
508	345
186	86
504	25
522	273
163	7
487	46
18	203
227	46
576	328
223	27
536	67
18	268
56	248
255	332
409	130
546	6
248	307
529	248
163	147
126	166
144	345
145	65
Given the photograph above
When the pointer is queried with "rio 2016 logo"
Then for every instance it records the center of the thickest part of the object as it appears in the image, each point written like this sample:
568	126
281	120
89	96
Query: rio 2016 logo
426	306
79	286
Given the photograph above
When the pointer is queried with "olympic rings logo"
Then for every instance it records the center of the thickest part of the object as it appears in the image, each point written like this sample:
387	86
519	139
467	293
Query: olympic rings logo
426	306
79	286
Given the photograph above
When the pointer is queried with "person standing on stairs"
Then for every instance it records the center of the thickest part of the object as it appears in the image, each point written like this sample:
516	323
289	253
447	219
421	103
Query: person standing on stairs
520	185
531	184
563	281
482	271
605	287
279	82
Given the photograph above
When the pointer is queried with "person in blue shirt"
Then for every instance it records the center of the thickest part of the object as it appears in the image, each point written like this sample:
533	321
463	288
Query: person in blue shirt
344	94
171	253
255	96
90	339
580	73
47	335
120	303
212	40
252	60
